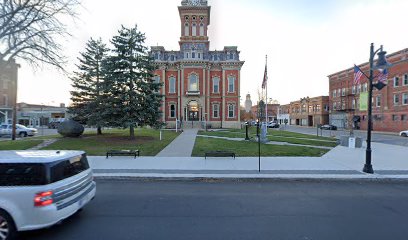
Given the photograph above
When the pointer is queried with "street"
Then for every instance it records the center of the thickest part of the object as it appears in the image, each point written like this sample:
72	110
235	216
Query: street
275	209
388	138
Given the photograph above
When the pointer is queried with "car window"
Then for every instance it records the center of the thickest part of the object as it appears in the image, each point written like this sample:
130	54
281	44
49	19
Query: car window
68	168
3	127
22	174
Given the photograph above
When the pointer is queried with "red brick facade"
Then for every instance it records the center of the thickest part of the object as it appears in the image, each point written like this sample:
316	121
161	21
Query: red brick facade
199	84
8	91
390	105
309	111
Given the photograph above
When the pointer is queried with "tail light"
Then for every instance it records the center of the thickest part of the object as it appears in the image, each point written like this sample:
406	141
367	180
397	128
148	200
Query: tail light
43	199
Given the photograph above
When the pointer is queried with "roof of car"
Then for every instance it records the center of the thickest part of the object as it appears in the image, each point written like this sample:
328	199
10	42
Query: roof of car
36	156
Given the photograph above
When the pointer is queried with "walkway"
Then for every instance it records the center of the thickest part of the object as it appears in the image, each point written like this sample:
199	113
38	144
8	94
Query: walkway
182	146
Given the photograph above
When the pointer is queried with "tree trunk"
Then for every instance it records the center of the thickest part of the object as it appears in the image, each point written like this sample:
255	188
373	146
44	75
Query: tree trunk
99	130
132	132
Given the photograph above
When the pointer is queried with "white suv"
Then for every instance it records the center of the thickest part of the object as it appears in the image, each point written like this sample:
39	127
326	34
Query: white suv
41	188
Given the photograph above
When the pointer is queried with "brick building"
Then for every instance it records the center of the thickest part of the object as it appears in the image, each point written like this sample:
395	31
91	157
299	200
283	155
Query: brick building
390	105
284	114
198	84
310	111
8	91
273	109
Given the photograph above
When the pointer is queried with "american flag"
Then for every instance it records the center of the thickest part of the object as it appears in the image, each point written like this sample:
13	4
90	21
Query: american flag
265	79
357	75
383	76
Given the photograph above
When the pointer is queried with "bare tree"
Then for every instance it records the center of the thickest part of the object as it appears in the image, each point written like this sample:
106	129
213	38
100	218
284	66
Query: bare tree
29	30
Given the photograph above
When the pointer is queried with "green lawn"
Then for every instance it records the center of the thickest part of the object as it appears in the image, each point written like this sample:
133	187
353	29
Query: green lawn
147	141
277	136
22	144
250	149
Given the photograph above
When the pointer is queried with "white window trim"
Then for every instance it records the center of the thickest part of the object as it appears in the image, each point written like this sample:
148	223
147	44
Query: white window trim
170	78
233	110
175	109
233	84
396	103
213	85
405	80
376	101
198	82
406	97
395	85
213	110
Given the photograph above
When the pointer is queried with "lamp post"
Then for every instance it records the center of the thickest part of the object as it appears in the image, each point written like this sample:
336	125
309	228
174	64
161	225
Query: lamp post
380	65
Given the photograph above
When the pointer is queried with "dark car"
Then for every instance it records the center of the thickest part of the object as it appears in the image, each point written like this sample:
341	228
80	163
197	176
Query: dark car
328	127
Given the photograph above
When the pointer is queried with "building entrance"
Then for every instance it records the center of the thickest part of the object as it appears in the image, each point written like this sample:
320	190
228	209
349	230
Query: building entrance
193	113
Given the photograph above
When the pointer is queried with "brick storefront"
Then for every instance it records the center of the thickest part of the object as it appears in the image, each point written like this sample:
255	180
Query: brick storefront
310	111
390	105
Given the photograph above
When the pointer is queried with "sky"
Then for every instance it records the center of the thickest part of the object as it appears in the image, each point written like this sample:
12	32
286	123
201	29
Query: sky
305	40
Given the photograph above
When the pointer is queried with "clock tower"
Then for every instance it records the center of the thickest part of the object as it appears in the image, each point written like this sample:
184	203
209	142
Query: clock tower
195	19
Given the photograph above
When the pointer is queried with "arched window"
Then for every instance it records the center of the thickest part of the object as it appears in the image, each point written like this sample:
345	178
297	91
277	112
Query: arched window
201	29
194	30
216	85
172	84
193	82
186	29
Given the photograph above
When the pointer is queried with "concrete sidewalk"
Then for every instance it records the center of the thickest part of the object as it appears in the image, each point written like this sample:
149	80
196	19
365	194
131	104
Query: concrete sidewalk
389	162
182	146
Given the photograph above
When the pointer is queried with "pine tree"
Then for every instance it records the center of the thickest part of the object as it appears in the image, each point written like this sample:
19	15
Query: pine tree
86	98
129	89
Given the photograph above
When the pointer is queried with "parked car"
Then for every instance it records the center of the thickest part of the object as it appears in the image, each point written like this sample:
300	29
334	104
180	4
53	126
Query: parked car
404	133
328	127
41	188
54	123
21	130
272	125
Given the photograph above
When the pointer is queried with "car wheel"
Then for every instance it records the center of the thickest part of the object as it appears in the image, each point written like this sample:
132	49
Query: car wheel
23	134
404	134
7	228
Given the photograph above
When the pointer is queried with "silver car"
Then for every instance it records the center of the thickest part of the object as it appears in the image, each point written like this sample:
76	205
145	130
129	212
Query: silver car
21	130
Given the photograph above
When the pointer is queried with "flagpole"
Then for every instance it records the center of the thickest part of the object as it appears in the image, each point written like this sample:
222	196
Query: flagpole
266	86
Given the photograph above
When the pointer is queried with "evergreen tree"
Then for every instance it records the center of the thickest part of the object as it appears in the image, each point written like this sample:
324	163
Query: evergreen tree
86	98
129	88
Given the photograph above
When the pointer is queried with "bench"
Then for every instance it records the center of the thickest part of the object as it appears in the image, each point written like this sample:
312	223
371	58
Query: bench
122	153
219	154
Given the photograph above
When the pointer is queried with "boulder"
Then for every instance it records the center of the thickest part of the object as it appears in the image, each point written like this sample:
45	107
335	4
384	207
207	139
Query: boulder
70	128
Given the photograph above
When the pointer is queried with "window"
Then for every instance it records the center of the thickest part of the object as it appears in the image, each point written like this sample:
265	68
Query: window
193	55
359	88
172	111
199	55
231	84
231	110
334	93
405	98
193	82
156	56
216	111
334	106
396	81
405	80
396	99
156	79
343	105
186	29
201	29
365	87
353	104
310	109
194	30
5	100
187	55
404	117
338	92
394	117
378	101
5	84
172	58
353	90
172	84
343	92
318	108
216	85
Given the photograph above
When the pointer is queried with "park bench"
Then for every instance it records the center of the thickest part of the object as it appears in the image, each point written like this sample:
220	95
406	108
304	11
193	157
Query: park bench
219	154
122	153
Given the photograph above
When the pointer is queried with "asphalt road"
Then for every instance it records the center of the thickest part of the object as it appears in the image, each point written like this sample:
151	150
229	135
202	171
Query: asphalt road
387	138
239	210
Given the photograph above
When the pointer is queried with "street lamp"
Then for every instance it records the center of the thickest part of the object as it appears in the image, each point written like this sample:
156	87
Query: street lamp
381	65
